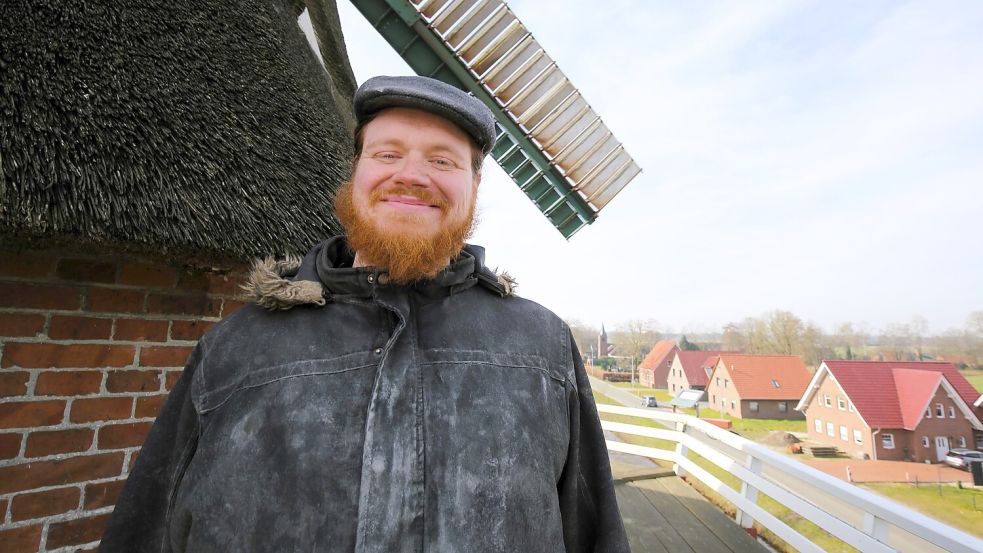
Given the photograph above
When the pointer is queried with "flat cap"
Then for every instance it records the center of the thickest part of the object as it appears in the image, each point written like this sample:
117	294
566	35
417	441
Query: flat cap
437	97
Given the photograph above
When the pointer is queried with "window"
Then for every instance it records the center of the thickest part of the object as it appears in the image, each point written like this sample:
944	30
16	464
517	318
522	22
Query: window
753	406
723	403
924	441
775	383
819	426
827	401
718	381
782	406
840	403
928	412
939	411
733	405
887	441
962	441
858	438
843	433
713	398
726	382
829	429
849	406
952	414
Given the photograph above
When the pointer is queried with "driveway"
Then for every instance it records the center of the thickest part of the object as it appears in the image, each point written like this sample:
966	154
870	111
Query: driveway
887	471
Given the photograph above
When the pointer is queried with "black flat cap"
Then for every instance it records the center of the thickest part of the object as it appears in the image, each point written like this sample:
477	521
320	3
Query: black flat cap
437	97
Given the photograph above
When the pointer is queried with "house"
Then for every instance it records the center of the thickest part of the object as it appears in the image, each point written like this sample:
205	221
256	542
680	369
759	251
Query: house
757	386
892	410
690	370
653	371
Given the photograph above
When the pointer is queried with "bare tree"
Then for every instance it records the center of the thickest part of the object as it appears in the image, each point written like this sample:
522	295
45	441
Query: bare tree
636	337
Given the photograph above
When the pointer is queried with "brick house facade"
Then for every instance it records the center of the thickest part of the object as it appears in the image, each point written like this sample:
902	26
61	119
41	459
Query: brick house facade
757	386
653	371
899	411
690	370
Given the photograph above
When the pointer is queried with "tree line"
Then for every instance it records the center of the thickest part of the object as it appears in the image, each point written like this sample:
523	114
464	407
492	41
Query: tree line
783	333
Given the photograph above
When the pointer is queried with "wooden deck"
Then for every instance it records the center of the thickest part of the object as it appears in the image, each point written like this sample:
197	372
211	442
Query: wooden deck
664	514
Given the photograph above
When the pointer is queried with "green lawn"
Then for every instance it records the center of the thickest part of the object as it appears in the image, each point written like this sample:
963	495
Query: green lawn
949	504
975	377
639	390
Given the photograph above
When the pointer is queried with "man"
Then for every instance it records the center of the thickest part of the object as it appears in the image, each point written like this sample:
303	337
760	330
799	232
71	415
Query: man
394	396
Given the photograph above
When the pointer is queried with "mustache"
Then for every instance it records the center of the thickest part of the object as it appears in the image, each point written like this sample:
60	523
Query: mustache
422	194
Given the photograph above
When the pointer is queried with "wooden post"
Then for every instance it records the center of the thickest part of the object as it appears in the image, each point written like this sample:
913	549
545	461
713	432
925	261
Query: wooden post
750	493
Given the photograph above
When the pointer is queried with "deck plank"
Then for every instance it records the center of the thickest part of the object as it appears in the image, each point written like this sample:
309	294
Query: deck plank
648	531
712	517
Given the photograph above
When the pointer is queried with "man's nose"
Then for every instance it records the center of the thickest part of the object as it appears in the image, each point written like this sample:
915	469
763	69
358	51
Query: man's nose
412	171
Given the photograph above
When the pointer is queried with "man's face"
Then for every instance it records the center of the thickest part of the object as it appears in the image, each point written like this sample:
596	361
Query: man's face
410	203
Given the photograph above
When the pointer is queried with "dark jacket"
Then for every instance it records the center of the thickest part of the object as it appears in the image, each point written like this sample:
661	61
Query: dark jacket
443	416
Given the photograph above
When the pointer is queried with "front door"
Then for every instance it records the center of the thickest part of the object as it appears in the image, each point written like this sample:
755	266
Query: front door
941	447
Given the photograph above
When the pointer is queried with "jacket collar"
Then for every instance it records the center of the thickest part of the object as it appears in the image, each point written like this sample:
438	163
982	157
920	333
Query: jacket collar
327	271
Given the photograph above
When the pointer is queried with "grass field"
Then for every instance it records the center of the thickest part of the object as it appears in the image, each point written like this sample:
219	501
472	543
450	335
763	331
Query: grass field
975	377
639	390
958	507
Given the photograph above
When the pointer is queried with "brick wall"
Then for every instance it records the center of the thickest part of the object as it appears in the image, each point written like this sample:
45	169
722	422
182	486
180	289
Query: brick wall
89	347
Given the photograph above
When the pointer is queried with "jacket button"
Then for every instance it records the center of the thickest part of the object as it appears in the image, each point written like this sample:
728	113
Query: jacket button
377	351
370	278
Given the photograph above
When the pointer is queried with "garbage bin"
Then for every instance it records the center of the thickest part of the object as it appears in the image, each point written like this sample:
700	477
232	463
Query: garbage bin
976	467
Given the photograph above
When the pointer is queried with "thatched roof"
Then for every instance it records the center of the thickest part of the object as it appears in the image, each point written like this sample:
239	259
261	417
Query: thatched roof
175	127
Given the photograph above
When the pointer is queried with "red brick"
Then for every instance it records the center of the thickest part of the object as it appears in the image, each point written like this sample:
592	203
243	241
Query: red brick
141	330
68	383
53	442
26	539
24	414
43	504
3	509
225	284
118	436
146	274
193	281
230	306
76	532
184	304
101	409
133	461
171	378
19	324
149	406
189	330
164	356
115	301
13	383
133	381
79	328
58	472
86	270
81	356
9	447
26	296
26	265
102	494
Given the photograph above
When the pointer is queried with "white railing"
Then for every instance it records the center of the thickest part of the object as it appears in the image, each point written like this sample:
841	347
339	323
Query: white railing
856	516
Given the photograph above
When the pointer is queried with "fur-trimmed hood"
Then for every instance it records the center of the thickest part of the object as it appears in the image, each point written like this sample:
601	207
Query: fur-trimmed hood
322	273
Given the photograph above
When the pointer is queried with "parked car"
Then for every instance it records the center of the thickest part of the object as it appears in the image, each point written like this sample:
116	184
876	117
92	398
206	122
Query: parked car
649	401
961	458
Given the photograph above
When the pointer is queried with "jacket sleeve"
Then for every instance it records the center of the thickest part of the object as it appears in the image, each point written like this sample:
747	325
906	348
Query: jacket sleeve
139	521
591	519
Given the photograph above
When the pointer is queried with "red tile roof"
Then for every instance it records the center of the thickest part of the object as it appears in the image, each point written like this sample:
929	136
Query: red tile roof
891	394
657	356
754	376
695	364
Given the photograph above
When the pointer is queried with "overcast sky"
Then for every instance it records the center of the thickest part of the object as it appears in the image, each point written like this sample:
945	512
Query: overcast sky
820	157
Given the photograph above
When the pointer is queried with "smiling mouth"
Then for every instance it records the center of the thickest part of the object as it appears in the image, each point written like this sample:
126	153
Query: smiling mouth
411	201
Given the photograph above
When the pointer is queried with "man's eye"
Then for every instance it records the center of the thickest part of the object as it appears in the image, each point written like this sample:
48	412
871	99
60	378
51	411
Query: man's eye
443	163
386	156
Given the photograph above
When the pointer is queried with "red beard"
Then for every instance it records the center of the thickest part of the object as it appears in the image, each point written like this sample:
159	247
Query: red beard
407	257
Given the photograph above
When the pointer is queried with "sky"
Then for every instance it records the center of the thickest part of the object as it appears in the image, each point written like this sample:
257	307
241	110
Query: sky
824	158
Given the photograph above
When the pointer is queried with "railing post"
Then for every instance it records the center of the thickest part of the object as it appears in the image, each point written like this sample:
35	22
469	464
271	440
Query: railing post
748	492
876	528
681	451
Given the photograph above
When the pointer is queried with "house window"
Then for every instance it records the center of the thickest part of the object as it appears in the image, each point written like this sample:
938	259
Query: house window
939	411
723	403
962	441
819	426
924	441
952	412
827	401
928	412
830	429
887	441
733	405
718	381
858	438
775	383
782	406
713	398
840	403
753	406
843	433
849	406
726	382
